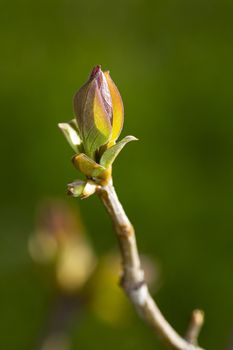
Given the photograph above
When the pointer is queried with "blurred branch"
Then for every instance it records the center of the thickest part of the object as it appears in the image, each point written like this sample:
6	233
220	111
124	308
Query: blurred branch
59	246
133	277
55	335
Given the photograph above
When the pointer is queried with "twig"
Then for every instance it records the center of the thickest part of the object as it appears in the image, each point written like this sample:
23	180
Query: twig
195	325
133	276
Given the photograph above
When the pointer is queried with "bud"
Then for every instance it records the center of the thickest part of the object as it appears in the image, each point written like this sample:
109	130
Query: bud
76	188
99	111
99	120
81	189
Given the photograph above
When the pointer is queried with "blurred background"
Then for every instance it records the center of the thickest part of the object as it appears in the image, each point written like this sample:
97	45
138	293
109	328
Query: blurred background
172	62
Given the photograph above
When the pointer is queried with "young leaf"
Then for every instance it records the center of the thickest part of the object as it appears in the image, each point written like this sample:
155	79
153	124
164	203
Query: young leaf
87	166
111	153
117	106
70	131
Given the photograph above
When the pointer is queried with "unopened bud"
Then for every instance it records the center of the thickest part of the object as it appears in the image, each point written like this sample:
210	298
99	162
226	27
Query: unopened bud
99	111
93	134
76	188
82	189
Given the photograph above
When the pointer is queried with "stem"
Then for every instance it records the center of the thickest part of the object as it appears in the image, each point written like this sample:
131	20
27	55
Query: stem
133	276
55	335
195	325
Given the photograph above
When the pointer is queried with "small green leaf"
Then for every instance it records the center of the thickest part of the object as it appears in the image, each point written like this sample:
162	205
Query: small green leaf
111	153
87	166
70	131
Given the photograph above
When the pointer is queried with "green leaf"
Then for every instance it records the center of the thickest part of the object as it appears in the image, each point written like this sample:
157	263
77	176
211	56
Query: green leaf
70	131
111	153
87	166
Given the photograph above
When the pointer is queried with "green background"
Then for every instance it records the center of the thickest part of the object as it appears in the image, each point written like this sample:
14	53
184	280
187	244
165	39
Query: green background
172	61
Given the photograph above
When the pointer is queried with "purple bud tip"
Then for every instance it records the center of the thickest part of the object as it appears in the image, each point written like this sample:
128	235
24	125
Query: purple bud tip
95	72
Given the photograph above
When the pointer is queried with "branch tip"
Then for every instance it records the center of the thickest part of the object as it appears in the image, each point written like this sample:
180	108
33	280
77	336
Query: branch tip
195	325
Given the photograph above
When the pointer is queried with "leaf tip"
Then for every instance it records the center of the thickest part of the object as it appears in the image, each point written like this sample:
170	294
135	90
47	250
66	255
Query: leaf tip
132	138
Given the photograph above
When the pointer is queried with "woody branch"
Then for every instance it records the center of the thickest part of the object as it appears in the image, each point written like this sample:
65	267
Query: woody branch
133	282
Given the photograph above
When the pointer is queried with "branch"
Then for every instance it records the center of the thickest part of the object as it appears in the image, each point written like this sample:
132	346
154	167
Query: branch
195	325
133	276
55	335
